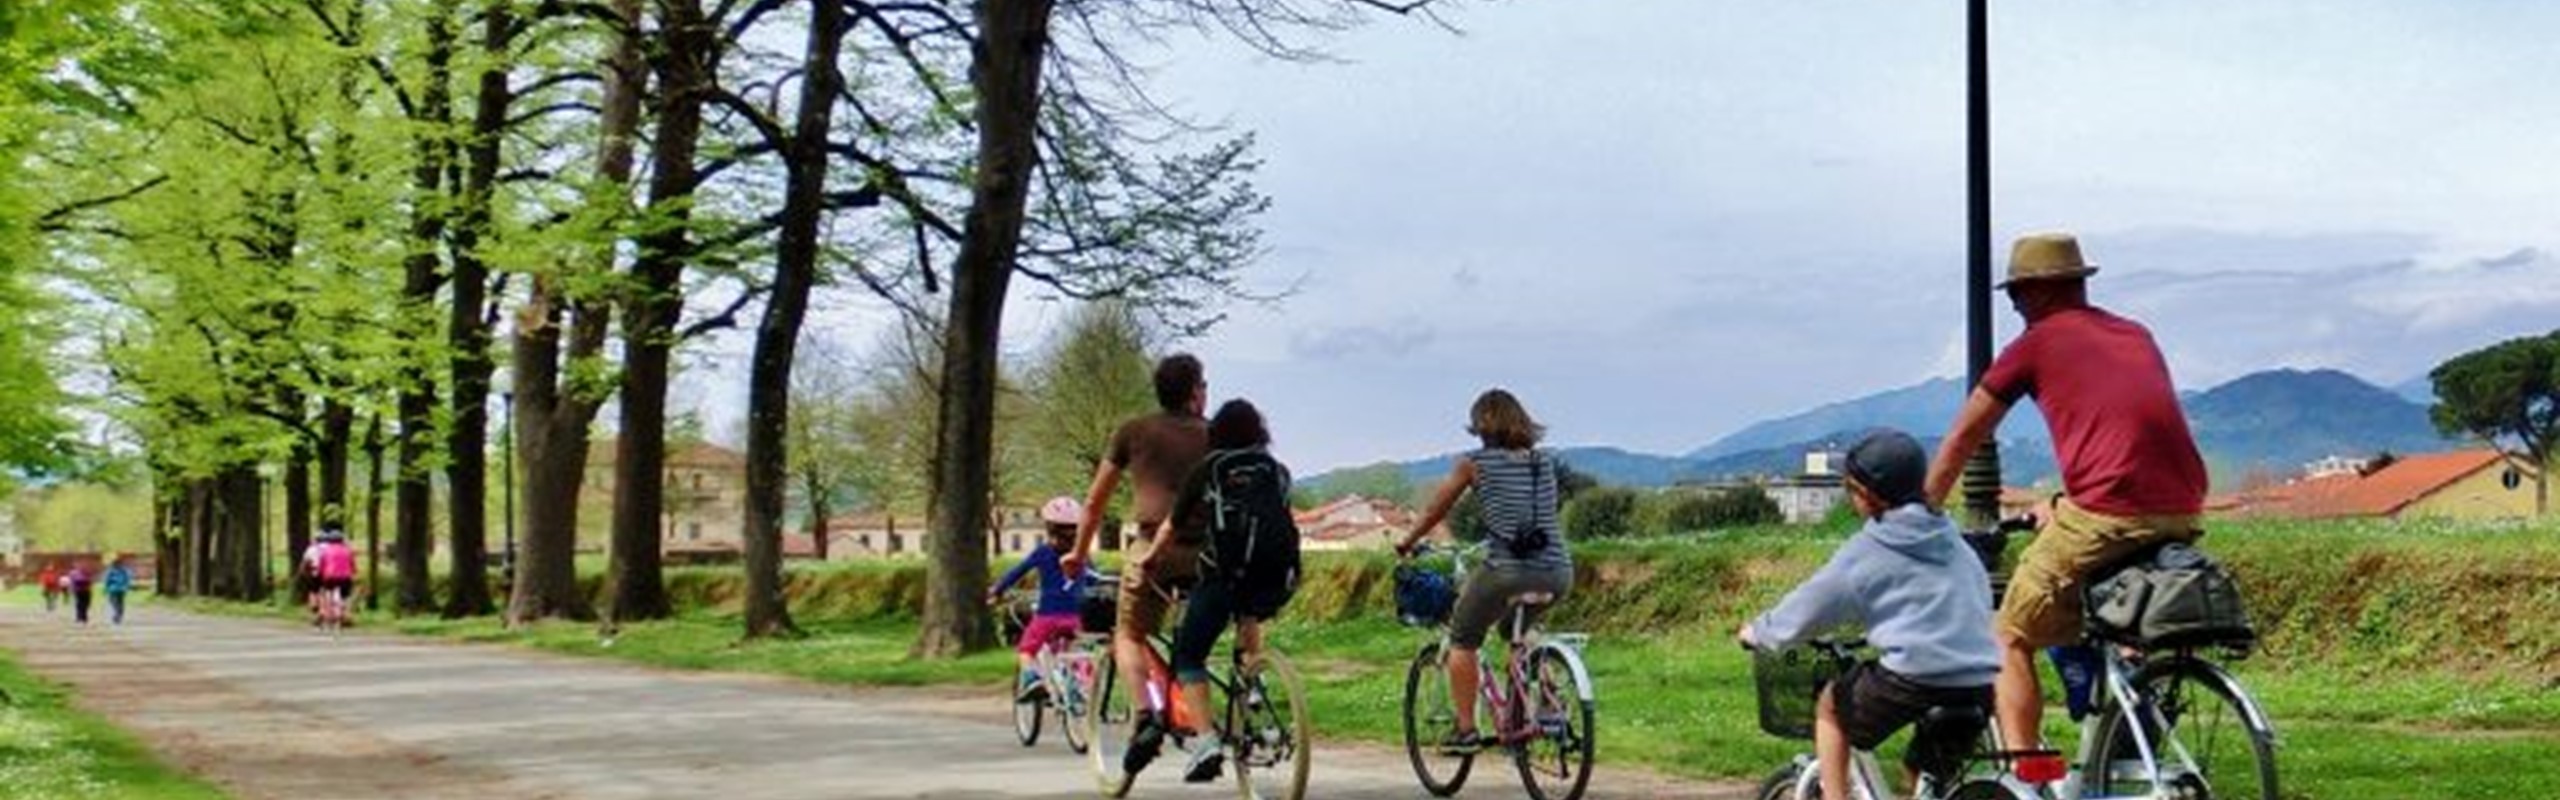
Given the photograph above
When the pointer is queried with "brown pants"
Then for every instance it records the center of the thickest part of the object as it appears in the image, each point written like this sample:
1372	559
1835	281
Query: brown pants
2042	608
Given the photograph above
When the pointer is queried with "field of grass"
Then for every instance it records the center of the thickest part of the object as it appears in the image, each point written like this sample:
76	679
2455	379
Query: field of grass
49	750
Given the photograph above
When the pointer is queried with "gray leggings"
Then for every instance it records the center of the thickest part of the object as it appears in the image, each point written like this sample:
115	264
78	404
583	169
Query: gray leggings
1485	601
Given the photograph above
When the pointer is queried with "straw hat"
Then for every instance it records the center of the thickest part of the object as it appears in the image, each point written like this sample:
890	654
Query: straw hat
2046	256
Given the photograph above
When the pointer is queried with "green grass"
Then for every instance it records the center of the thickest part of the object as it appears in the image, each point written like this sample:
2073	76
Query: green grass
50	750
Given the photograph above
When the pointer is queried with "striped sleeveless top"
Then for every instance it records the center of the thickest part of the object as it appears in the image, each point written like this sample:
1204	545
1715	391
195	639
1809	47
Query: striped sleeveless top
1516	490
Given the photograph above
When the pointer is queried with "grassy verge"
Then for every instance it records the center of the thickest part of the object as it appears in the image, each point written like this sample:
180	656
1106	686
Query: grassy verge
50	750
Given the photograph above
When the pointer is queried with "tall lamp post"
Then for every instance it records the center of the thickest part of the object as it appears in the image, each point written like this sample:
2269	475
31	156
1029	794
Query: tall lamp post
1982	472
507	475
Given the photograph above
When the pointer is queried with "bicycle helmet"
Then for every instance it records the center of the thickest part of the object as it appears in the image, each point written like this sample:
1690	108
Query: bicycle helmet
1062	510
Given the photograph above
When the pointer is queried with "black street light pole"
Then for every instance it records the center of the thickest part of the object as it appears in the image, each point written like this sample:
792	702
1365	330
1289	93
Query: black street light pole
1982	472
507	445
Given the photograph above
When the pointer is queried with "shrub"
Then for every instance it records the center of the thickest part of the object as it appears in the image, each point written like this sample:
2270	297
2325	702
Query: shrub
1607	512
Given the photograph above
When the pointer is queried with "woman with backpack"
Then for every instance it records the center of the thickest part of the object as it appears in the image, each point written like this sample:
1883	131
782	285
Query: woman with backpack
1239	495
1515	484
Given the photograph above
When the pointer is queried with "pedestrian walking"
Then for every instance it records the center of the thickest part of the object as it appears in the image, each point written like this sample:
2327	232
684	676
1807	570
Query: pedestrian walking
118	582
77	583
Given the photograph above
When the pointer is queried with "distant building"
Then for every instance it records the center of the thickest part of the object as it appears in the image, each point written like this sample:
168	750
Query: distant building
2465	484
1806	499
1353	522
874	535
2335	465
704	517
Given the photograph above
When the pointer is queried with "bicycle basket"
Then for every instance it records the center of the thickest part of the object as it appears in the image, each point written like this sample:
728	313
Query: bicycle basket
1790	681
1098	605
1423	598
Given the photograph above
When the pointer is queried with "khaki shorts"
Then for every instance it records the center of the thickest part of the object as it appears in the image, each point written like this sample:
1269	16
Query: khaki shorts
2042	607
1143	605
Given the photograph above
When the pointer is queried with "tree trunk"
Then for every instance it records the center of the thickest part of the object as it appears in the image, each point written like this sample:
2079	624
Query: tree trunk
551	413
778	336
238	514
415	494
683	67
199	537
297	513
816	487
467	467
1006	74
337	431
373	517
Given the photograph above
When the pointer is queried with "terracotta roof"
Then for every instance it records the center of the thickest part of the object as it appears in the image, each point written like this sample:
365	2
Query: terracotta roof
2382	493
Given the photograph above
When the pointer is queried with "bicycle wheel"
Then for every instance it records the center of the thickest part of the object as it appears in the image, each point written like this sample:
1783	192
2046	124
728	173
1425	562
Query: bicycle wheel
1782	784
1071	684
2218	745
1429	716
1269	741
1027	713
1112	707
1556	763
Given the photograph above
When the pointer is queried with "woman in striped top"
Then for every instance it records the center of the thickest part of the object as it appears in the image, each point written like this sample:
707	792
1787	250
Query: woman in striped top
1515	484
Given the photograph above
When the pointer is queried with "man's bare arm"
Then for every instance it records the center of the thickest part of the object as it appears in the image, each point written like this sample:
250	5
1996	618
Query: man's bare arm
1974	423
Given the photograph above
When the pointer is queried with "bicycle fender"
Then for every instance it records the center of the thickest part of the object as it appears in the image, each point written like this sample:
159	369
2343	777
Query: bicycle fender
1573	661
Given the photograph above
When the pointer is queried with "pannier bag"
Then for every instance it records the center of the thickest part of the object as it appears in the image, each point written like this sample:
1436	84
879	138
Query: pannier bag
1098	604
1423	598
2168	597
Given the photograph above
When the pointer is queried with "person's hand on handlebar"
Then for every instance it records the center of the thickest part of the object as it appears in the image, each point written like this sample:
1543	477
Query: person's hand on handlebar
1747	638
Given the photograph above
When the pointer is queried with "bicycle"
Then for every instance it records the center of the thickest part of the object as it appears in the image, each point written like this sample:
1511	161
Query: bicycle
2159	725
1542	708
1066	668
1790	680
1261	725
331	605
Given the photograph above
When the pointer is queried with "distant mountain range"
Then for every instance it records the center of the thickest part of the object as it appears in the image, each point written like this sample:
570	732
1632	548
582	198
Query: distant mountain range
2265	422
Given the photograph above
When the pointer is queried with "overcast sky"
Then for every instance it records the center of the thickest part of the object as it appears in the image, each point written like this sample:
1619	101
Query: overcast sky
1659	221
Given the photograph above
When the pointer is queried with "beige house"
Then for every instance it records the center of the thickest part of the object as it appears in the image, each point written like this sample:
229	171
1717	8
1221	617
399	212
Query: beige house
705	511
874	535
2475	484
1357	523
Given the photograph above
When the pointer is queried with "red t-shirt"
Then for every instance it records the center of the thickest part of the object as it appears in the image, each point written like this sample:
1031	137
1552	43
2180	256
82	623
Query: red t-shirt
2105	392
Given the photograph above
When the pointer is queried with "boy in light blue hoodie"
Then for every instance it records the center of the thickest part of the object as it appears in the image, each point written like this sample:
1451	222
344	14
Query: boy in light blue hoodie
1921	594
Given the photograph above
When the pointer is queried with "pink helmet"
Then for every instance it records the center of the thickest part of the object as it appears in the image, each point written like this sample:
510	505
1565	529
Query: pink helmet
1062	510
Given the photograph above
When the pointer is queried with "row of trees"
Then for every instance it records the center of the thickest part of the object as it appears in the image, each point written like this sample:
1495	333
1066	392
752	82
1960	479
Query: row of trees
293	233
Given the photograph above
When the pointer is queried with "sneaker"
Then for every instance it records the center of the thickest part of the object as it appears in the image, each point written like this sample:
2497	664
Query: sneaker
1144	744
1207	763
1461	743
1031	690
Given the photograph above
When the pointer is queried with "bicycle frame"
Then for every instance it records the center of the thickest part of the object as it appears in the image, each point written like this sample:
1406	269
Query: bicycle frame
1521	647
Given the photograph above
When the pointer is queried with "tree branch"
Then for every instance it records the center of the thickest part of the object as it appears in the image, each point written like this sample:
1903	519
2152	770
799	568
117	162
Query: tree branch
56	219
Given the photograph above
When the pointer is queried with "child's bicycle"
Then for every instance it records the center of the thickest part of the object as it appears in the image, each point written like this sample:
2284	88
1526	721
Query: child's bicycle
1540	705
1790	680
1066	668
1261	723
2163	724
329	610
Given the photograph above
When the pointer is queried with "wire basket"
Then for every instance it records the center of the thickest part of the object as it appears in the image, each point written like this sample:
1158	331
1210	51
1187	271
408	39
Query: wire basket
1790	682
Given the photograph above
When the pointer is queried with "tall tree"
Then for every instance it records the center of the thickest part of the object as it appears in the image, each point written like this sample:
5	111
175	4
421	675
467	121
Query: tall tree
777	337
2506	395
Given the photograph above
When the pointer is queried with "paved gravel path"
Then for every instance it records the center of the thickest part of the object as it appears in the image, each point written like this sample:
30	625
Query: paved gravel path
268	710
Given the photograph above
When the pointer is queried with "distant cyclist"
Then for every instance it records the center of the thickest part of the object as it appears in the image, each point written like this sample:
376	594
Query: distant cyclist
2130	470
331	566
1055	616
1515	484
1238	496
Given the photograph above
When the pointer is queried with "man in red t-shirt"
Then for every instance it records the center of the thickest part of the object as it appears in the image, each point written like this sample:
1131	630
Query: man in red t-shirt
2130	471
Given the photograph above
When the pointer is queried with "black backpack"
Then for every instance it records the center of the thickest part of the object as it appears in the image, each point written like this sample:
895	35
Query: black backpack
1251	530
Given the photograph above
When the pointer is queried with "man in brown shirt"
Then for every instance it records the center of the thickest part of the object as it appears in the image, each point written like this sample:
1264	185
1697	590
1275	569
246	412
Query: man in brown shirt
1157	450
